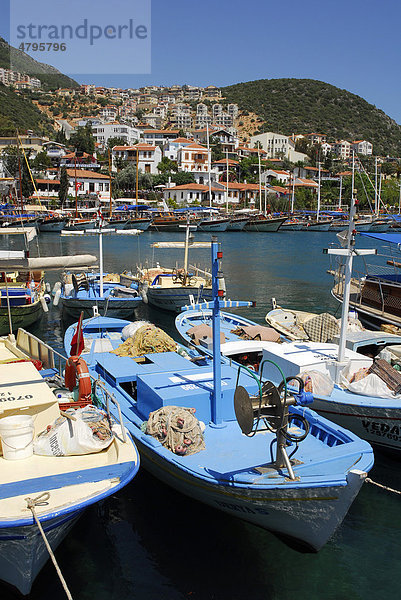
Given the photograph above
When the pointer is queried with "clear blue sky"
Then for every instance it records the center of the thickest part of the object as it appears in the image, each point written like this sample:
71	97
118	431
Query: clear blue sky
353	44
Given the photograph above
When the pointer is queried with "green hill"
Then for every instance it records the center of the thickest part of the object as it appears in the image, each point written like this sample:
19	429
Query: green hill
50	77
308	106
17	112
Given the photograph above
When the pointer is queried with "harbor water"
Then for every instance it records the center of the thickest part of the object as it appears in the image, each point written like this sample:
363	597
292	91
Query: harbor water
148	542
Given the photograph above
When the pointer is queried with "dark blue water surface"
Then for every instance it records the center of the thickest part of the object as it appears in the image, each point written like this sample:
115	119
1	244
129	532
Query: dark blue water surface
149	542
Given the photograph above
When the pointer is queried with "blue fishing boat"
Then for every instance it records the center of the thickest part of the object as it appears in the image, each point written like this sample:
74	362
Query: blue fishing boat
296	477
88	292
348	377
81	292
42	496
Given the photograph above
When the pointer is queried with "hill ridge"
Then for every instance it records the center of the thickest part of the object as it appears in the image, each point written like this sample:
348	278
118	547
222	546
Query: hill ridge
292	105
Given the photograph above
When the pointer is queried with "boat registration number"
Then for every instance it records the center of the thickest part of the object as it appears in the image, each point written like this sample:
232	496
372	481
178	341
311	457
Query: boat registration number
8	397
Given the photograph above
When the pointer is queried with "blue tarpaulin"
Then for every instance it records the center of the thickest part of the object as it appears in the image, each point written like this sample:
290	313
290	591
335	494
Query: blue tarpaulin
390	238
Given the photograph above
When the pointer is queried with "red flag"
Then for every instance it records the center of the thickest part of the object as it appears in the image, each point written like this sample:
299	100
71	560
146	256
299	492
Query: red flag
77	342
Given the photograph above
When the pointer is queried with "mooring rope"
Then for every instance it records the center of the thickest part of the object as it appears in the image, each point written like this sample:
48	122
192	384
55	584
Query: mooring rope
40	501
383	487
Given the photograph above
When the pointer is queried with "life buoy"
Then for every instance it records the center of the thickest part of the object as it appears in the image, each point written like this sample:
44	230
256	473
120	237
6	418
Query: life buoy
77	366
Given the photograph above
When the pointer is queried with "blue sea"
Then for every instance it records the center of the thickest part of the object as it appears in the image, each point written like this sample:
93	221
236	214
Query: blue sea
149	542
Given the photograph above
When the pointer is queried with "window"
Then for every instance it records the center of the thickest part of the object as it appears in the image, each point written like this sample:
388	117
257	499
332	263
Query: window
186	156
106	187
100	187
91	187
147	168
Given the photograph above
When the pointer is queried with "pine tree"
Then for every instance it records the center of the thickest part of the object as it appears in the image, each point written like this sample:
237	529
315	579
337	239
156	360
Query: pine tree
64	184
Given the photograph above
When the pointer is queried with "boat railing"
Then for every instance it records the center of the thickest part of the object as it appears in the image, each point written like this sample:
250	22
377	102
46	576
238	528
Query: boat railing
380	275
38	349
109	397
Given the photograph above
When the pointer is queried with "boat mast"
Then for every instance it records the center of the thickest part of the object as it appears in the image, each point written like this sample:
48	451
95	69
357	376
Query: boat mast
101	253
137	177
376	185
20	180
76	190
227	181
186	250
348	252
111	202
208	165
318	198
217	293
260	183
341	192
293	192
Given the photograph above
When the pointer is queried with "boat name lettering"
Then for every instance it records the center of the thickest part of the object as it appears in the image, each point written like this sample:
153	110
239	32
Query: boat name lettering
10	398
242	509
193	386
382	429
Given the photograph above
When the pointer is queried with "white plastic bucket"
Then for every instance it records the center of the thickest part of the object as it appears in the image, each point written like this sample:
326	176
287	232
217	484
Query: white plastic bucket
17	433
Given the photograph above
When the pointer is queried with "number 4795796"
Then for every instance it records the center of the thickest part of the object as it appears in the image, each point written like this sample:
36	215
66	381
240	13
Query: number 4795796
42	47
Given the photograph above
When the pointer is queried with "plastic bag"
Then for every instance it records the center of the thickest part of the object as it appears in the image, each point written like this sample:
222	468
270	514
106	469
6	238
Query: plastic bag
90	432
131	329
317	383
371	385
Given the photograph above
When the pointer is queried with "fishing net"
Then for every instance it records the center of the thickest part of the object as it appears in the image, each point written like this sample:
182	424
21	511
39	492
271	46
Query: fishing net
321	328
148	339
177	428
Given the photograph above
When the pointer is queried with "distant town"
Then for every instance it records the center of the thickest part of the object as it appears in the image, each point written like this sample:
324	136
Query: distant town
177	146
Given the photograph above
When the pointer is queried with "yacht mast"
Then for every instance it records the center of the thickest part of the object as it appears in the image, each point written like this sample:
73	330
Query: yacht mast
208	164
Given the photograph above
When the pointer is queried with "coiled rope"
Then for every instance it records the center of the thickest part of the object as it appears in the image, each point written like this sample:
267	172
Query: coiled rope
41	501
383	487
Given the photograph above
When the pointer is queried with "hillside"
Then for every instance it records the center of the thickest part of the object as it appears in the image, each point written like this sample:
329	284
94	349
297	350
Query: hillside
308	106
50	77
20	113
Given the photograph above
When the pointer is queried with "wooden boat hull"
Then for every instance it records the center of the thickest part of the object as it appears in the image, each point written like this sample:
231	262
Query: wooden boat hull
21	316
237	224
291	226
52	225
264	225
317	226
72	307
142	224
214	225
378	302
172	299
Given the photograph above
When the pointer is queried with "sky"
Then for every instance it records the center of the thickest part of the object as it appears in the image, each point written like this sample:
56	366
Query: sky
354	44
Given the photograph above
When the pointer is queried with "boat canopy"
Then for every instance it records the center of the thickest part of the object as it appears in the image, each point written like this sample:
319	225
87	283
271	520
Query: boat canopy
390	238
134	207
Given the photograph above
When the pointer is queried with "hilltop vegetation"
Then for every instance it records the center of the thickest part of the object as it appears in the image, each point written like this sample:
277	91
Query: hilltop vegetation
308	106
50	77
20	113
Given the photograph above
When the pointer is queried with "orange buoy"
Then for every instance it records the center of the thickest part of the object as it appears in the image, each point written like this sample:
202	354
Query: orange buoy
76	366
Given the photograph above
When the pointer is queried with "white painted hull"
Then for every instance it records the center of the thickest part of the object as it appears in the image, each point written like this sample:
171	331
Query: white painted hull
173	299
379	426
291	227
23	552
308	515
218	225
264	225
237	224
317	226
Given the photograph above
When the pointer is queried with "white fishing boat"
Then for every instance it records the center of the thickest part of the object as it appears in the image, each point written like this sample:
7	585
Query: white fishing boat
42	496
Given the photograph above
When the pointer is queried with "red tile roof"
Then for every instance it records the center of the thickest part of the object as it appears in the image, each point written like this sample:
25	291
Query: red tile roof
84	174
